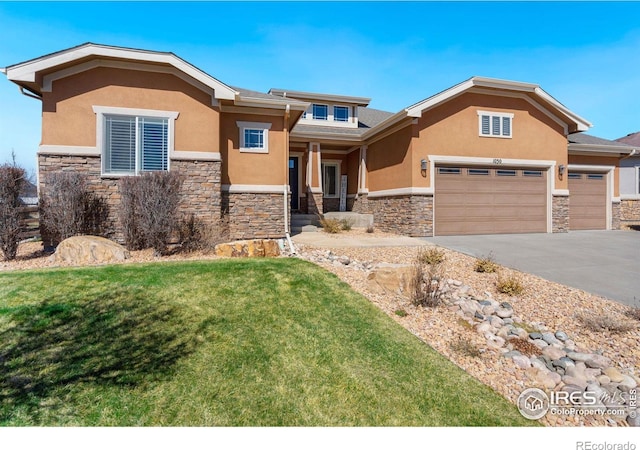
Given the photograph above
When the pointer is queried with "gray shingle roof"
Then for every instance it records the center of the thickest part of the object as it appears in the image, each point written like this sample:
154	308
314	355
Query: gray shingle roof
582	138
631	139
367	118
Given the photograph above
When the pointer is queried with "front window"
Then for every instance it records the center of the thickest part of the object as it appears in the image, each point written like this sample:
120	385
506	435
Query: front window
493	124
341	113
254	137
330	179
320	112
134	144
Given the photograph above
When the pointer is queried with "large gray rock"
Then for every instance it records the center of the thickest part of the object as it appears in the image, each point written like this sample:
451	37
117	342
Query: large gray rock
598	362
553	352
81	250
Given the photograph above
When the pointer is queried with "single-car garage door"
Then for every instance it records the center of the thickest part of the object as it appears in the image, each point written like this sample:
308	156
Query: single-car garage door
489	200
587	201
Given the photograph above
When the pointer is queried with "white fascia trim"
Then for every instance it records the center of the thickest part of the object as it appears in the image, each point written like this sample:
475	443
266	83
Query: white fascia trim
606	149
417	109
590	168
135	112
630	197
269	103
75	150
27	71
47	81
582	124
183	155
401	191
253	188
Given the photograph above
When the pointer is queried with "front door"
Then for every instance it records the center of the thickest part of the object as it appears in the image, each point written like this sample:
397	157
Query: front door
293	182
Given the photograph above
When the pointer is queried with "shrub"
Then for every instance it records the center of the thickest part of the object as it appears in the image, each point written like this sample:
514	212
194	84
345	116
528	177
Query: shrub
11	182
68	208
524	346
465	347
634	311
346	224
510	285
431	256
599	322
425	284
401	313
486	264
370	229
149	213
332	226
195	235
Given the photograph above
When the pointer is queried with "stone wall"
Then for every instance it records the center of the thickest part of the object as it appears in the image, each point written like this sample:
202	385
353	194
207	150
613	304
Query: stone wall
254	215
410	215
360	204
330	204
314	203
615	216
560	214
630	212
200	189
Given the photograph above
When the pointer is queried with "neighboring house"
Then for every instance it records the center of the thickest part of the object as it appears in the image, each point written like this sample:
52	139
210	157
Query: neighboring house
485	156
630	181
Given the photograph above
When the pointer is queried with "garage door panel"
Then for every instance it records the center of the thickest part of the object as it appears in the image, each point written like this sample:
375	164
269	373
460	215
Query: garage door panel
479	201
587	201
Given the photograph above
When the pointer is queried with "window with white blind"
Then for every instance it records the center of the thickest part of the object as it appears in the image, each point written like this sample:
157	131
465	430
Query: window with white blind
254	137
494	124
134	140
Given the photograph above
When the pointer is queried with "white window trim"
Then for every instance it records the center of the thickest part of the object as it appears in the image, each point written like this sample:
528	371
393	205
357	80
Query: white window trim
492	114
329	111
338	165
264	126
351	122
333	110
101	111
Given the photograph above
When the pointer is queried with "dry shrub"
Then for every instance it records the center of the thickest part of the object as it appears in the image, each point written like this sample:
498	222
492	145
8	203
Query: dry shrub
431	256
425	283
465	347
486	264
69	208
11	181
599	322
149	213
510	284
346	224
197	236
370	229
525	347
332	226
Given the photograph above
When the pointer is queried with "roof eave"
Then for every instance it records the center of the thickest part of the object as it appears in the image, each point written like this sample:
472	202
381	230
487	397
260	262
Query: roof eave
359	101
273	103
388	122
601	149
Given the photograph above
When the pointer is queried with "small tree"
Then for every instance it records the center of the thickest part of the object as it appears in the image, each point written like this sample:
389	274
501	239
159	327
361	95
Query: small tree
12	179
149	213
68	208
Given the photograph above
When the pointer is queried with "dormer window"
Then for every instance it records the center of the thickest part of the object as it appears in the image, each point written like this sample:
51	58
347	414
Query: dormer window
341	113
320	112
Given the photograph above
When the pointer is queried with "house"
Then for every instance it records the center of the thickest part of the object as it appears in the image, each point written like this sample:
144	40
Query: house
630	181
484	156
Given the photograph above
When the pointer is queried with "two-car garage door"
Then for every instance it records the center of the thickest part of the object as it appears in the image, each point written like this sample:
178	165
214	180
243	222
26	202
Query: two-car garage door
489	200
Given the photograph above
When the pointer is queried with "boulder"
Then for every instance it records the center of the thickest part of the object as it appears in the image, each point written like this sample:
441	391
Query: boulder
81	250
391	278
248	249
613	374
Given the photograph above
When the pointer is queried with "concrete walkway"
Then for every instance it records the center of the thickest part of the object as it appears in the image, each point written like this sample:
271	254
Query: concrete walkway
321	239
606	263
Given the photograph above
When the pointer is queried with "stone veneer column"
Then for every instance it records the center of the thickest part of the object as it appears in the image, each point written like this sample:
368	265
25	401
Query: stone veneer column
615	215
560	214
410	215
201	189
314	203
361	204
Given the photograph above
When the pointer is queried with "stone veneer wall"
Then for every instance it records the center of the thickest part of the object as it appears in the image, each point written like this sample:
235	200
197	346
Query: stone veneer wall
330	204
615	216
560	214
630	212
359	204
254	215
200	189
410	215
314	203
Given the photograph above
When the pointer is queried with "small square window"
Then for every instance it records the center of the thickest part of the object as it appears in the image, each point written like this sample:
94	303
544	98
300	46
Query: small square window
254	137
320	112
341	113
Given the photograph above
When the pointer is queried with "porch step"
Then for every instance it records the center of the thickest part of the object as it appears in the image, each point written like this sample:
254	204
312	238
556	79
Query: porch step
356	220
301	220
304	229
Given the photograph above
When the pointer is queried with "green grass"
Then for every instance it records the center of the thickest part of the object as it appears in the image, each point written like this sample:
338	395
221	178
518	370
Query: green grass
266	342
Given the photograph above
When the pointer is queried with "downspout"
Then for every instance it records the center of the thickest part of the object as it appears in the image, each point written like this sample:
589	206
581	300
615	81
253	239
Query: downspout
286	186
28	94
634	152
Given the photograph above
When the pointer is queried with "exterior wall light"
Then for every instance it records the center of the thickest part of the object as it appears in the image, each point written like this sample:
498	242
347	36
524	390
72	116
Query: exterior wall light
561	168
423	164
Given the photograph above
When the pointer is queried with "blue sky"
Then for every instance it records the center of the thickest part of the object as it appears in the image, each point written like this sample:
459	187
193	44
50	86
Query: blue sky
584	54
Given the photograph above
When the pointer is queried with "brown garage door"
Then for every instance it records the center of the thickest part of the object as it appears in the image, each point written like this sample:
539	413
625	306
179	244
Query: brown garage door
587	201
484	200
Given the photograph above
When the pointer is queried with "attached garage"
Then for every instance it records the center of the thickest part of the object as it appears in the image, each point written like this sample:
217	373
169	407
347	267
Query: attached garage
489	200
587	201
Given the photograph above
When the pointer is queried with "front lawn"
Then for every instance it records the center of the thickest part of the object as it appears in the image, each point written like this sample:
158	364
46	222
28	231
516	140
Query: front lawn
265	342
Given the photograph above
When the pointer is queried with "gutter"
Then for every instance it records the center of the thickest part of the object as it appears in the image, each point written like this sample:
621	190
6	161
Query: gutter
285	195
28	94
634	152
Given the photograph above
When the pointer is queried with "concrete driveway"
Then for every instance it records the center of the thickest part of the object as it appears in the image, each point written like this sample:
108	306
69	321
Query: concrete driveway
601	262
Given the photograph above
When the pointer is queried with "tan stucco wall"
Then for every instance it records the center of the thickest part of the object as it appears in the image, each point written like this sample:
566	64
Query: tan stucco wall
253	168
601	161
68	117
389	161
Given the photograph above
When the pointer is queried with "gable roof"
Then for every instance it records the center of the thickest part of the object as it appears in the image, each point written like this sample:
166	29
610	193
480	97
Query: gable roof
530	92
631	139
586	143
368	118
